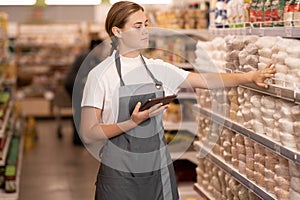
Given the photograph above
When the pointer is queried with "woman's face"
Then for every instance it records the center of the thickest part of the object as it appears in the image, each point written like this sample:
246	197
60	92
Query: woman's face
134	35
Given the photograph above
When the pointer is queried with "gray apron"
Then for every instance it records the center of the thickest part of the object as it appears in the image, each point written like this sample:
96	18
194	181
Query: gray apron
136	164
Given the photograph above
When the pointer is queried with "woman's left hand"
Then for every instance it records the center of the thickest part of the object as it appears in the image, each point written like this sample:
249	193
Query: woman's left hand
260	76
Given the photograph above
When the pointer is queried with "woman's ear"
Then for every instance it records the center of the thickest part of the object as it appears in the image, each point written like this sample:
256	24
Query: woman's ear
117	32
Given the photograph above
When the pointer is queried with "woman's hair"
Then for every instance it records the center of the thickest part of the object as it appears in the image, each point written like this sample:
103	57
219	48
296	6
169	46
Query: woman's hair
117	16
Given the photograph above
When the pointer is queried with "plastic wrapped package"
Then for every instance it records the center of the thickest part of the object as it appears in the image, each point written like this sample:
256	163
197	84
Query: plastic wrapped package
259	179
248	142
265	52
265	42
294	194
251	49
259	149
252	60
267	112
276	135
282	68
234	152
281	194
259	168
292	63
294	50
247	115
282	171
256	101
268	102
256	113
270	185
251	39
288	140
286	125
258	127
249	152
295	184
259	158
294	169
269	122
261	66
279	58
250	174
250	163
269	174
243	193
282	183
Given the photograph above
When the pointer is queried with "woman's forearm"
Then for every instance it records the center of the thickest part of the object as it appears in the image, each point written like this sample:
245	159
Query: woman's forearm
102	131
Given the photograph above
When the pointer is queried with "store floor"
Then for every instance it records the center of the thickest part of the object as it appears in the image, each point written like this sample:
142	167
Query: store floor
56	169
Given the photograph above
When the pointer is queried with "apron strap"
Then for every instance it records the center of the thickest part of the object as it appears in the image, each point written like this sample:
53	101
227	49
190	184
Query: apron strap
158	84
118	65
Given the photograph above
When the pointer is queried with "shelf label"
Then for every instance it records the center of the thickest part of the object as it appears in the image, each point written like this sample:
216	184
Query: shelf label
288	31
278	92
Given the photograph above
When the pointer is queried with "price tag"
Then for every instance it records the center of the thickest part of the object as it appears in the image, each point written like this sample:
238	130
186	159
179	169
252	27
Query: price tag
277	148
278	92
288	31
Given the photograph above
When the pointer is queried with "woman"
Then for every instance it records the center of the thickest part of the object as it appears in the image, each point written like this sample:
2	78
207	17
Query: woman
135	163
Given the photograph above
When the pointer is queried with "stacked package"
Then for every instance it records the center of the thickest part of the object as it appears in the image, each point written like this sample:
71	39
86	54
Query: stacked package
219	184
210	56
282	179
271	161
294	170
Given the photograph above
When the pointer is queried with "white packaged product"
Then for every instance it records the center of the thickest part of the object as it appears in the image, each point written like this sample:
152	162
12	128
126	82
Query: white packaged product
264	60
286	125
294	51
265	42
288	140
292	63
268	102
279	58
256	100
282	68
269	122
267	112
261	65
258	127
251	49
265	52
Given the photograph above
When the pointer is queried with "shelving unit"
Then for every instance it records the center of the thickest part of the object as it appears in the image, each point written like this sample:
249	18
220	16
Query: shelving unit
276	147
260	192
289	32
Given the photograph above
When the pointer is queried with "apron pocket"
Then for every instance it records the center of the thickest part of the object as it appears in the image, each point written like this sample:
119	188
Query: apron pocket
129	188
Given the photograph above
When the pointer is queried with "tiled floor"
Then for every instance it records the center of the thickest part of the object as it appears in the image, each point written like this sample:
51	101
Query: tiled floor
55	169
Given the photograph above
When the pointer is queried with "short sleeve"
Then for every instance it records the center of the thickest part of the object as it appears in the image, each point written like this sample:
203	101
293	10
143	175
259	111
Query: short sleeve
93	93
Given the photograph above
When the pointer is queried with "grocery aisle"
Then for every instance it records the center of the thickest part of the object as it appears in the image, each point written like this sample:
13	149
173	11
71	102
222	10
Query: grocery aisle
55	169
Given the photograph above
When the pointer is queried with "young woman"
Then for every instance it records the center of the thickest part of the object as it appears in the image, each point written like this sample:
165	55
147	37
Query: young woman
135	162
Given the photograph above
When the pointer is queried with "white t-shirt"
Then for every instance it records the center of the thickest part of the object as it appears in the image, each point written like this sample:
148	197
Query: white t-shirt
103	82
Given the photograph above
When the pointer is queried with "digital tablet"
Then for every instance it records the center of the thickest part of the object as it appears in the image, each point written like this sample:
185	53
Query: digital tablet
151	102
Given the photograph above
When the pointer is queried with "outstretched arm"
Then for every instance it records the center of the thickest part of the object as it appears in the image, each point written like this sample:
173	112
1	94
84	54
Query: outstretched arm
218	80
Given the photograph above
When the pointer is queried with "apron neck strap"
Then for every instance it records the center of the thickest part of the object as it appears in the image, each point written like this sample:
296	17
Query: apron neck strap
158	84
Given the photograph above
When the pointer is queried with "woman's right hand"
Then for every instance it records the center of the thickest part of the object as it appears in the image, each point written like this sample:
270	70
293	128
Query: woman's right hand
138	117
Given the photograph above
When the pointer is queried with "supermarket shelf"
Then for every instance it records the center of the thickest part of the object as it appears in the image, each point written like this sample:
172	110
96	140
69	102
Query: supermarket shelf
276	91
6	117
15	195
291	32
276	147
184	126
234	173
204	194
5	150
